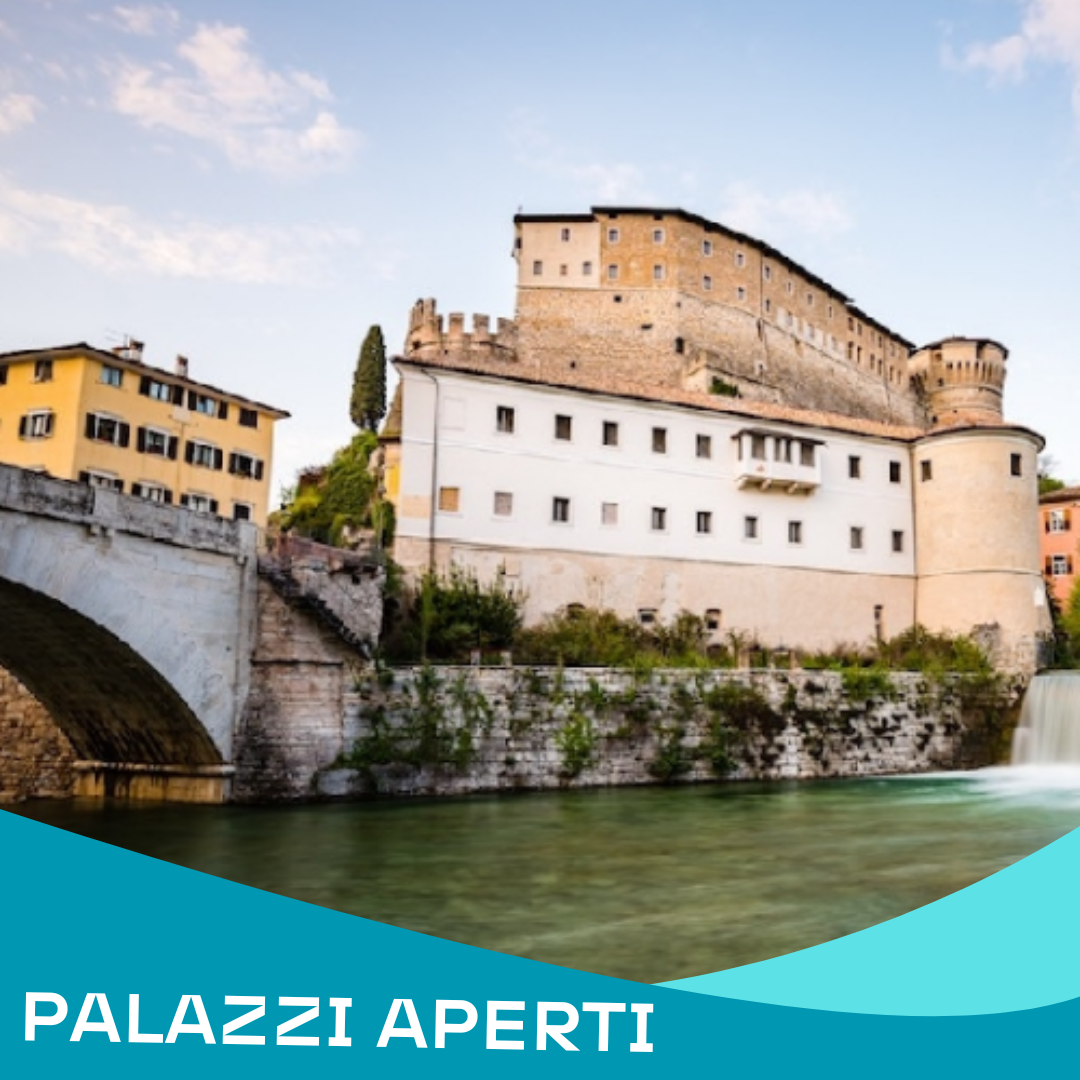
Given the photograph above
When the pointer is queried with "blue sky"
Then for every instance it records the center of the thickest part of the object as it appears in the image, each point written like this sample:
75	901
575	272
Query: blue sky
253	185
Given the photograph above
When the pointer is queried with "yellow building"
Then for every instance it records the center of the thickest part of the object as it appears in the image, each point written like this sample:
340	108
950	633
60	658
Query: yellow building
106	418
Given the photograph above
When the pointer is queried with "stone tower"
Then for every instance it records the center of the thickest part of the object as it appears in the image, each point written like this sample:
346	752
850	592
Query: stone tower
960	379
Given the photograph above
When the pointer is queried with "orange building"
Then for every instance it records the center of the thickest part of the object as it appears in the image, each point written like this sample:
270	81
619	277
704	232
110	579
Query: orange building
1059	514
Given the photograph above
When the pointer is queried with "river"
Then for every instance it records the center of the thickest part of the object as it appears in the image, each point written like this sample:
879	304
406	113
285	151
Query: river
641	883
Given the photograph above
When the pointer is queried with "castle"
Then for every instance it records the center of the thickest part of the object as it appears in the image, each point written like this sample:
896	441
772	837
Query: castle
680	417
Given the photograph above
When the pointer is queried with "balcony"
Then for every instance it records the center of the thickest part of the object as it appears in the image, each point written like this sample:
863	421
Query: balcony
777	461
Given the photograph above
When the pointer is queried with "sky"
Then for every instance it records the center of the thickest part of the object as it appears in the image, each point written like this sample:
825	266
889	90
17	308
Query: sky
253	185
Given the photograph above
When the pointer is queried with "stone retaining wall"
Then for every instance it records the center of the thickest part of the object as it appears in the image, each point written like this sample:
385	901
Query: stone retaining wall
36	759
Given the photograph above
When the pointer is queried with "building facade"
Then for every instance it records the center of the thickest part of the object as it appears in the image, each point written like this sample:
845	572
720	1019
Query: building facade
680	418
1059	520
106	418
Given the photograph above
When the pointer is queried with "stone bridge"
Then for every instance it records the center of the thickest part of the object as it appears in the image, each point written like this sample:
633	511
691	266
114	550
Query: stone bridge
167	648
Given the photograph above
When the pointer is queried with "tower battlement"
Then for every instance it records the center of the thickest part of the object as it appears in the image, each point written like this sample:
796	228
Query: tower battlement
960	379
429	337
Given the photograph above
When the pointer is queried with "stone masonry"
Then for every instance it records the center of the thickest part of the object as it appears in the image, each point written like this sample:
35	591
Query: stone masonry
36	758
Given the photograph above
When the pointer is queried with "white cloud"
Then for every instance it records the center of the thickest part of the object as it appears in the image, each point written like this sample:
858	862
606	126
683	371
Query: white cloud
114	238
17	111
818	213
147	20
225	95
1049	33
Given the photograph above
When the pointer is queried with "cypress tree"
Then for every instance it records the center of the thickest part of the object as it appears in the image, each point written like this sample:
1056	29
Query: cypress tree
367	406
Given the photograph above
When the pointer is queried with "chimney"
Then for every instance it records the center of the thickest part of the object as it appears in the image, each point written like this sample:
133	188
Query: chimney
182	366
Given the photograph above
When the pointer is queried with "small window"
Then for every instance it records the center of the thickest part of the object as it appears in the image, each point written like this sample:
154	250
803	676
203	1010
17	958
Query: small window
613	236
201	504
538	268
894	472
757	447
856	538
246	466
647	616
36	425
706	283
450	500
249	418
152	493
609	513
659	440
706	247
586	269
740	258
161	391
898	541
659	518
794	532
1015	465
107	429
926	470
241	511
809	299
680	345
504	419
740	293
766	272
1060	565
783	450
658	236
564	235
112	376
611	433
768	305
207	406
560	510
1058	521
613	272
658	272
504	503
750	528
789	288
704	446
563	427
564	269
204	455
806	454
156	442
854	467
43	371
704	522
712	620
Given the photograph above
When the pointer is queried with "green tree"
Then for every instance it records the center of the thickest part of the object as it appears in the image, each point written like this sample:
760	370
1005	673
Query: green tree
367	406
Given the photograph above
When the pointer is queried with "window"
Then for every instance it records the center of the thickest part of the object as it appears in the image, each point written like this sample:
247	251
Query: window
564	235
153	493
926	470
704	446
712	620
856	538
241	511
659	440
1060	565
1058	521
538	268
854	467
894	472
783	450
504	503
647	616
586	269
1015	465
768	305
102	480
658	272
560	510
794	532
203	455
504	419
704	522
766	272
249	418
750	528
450	500
898	541
201	504
740	293
107	429
740	258
207	406
789	287
658	236
161	391
563	427
757	447
111	376
609	513
613	272
564	269
43	371
36	425
706	283
706	247
809	299
806	454
613	236
659	518
611	433
154	441
245	465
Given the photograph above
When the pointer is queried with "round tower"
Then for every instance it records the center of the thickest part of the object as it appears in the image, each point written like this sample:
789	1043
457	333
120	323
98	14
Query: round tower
960	379
977	562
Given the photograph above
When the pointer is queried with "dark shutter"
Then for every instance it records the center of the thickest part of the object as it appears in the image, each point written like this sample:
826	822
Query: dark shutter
91	425
213	506
172	447
223	410
49	423
1046	523
189	452
140	440
167	496
232	464
178	395
1068	563
144	386
191	397
258	469
136	490
24	426
84	478
125	434
219	458
184	500
1048	567
118	484
1068	520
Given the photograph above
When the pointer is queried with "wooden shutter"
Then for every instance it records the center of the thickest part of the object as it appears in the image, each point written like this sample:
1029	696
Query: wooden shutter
191	396
213	506
91	425
189	452
136	490
1048	566
223	410
1068	519
185	500
49	423
178	395
171	447
140	440
144	386
232	464
258	469
24	426
125	434
219	458
167	496
118	484
84	478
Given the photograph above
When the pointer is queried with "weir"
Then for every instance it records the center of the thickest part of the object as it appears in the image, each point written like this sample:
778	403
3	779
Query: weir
1049	729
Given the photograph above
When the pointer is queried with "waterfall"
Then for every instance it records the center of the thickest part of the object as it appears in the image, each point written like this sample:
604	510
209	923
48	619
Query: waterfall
1049	728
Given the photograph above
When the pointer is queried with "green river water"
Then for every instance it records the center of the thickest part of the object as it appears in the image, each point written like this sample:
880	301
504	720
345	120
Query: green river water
640	883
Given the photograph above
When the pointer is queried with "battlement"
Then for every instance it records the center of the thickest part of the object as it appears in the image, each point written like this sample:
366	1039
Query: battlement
428	337
960	378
